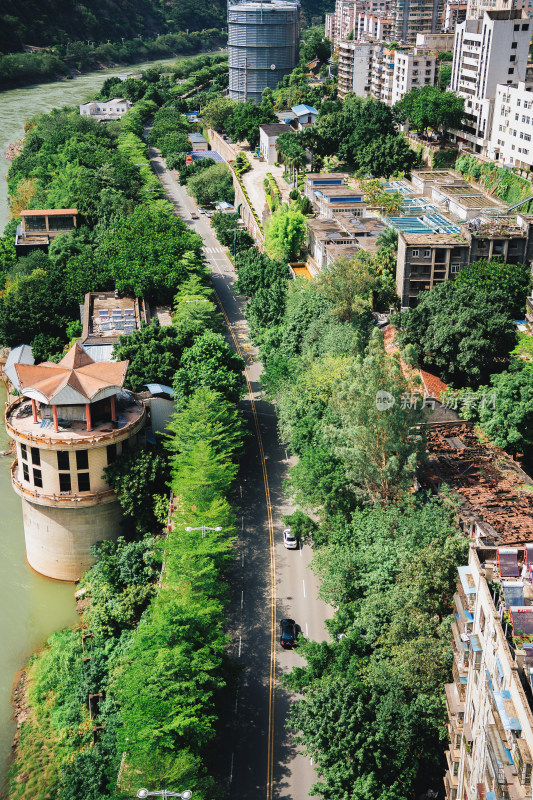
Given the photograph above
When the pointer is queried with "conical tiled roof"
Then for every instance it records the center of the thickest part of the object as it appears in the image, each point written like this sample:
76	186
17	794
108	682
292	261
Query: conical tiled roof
76	379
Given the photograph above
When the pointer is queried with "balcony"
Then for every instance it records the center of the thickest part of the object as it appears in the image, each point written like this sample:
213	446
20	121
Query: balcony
20	426
454	706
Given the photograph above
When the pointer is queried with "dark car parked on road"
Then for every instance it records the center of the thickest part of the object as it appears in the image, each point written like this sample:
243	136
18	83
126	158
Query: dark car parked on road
288	633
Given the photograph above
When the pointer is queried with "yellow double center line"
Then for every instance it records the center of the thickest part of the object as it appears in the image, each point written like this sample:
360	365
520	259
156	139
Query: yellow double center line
272	679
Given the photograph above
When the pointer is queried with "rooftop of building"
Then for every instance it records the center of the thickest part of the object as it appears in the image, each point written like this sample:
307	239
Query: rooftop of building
48	212
339	191
444	239
302	108
106	316
275	128
196	137
321	176
492	489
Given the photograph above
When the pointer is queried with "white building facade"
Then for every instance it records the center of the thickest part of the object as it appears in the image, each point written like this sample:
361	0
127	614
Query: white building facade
106	109
512	128
488	51
412	70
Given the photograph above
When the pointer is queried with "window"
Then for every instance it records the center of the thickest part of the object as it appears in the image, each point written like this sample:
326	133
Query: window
63	459
84	482
64	482
26	472
24	452
516	27
512	58
454	269
38	478
525	27
514	45
427	253
415	254
111	453
510	71
518	103
35	456
82	459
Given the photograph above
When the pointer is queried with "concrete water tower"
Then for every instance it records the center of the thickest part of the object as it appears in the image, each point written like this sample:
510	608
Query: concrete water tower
72	420
262	46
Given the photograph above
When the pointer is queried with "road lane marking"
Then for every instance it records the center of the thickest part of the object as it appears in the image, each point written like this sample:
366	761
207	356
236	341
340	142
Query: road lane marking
272	677
303	584
306	631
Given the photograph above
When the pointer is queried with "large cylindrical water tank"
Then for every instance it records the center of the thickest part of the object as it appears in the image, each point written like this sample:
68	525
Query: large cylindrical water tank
262	46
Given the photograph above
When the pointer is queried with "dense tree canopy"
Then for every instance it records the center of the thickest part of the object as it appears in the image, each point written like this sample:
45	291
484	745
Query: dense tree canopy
511	281
461	332
285	234
428	107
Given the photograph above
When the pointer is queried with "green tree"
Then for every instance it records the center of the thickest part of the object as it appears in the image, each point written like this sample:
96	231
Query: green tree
256	271
136	478
428	107
210	363
243	124
348	285
511	281
372	436
504	409
212	185
153	352
285	234
150	252
463	333
218	111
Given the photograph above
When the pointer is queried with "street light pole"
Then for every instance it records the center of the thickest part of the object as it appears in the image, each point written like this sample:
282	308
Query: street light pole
203	528
142	793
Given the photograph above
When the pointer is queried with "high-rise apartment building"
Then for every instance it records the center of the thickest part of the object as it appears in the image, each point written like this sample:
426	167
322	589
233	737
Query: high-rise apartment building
411	17
488	51
476	8
371	70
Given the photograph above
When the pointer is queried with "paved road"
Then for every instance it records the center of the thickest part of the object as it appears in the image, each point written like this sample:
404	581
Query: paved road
257	757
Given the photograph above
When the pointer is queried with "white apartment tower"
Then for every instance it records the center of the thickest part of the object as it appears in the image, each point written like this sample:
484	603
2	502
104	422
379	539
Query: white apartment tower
476	8
487	52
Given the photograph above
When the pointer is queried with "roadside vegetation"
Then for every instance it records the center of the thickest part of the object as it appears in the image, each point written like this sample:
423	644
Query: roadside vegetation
130	697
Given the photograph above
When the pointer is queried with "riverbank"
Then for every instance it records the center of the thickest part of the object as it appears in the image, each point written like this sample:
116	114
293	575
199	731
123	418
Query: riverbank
58	64
19	105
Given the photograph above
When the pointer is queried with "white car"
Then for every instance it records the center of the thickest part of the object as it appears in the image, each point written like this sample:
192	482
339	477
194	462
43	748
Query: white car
290	541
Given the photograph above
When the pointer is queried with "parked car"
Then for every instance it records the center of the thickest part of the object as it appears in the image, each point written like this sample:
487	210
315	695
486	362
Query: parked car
288	633
195	216
290	541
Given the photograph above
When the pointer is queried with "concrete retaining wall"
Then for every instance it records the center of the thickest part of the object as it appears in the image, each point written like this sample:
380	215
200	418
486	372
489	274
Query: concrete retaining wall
241	202
58	540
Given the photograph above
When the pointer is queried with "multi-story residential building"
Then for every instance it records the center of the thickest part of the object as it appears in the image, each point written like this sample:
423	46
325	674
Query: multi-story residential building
488	51
382	73
412	69
412	17
330	201
489	703
317	181
371	70
512	127
342	22
476	8
354	68
71	421
453	13
425	259
373	26
435	41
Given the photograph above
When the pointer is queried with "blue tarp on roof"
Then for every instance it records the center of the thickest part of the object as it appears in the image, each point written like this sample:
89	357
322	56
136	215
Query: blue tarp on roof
505	708
303	109
159	388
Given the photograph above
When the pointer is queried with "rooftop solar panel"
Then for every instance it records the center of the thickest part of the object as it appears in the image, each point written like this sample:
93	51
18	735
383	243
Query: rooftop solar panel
522	620
508	562
513	592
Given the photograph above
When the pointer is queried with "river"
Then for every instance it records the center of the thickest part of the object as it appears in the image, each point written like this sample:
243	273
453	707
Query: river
19	105
31	607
